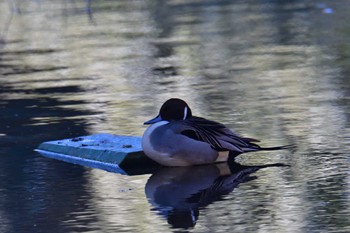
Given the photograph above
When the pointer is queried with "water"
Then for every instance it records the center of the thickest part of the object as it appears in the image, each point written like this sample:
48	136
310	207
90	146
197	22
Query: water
273	70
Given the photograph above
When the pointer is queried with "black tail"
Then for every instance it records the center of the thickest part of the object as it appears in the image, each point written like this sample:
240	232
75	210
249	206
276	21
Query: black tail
255	147
234	166
286	147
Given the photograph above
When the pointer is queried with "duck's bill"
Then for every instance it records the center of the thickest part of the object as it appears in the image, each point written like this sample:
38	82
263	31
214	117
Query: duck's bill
154	120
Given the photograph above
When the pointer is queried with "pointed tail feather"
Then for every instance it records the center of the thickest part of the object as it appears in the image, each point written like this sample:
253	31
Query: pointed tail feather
286	147
233	154
255	147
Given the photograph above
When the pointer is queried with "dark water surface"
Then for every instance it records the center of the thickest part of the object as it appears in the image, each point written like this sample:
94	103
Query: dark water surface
273	70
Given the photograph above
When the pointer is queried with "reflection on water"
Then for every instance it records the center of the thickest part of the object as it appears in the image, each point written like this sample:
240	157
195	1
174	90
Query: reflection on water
273	70
179	193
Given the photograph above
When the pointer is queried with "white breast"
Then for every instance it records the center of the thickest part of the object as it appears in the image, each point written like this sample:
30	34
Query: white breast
147	146
157	154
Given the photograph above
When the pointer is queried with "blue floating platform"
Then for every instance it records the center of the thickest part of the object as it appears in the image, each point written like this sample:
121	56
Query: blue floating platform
113	153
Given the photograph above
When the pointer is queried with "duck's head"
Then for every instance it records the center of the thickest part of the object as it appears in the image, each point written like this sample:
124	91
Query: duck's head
172	110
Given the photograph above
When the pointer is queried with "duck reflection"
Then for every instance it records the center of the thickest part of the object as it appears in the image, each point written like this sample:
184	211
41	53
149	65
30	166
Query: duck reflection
178	193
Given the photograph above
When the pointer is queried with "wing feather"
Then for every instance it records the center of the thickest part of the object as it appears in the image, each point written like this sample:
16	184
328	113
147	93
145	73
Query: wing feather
217	135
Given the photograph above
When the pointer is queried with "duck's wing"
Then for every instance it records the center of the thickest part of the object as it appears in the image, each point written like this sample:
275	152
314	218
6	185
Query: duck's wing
217	135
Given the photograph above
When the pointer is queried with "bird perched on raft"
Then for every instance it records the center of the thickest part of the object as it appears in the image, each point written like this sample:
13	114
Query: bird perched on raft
177	138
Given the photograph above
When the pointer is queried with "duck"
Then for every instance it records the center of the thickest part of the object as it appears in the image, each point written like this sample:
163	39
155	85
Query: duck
177	138
178	193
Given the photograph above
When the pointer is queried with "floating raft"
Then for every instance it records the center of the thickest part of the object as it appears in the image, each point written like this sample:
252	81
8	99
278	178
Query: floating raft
114	153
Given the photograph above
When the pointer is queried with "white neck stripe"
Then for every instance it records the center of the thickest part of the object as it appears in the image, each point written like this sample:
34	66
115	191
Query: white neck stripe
185	113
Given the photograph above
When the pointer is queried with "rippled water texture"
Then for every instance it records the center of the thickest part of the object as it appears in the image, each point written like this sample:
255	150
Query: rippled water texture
273	70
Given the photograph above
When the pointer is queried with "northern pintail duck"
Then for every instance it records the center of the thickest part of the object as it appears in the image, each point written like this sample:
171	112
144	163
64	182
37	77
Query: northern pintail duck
176	138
